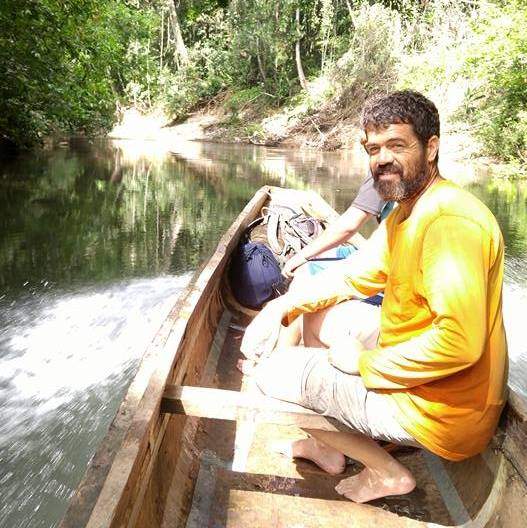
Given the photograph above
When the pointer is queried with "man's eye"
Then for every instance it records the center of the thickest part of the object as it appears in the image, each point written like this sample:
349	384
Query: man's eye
397	147
372	150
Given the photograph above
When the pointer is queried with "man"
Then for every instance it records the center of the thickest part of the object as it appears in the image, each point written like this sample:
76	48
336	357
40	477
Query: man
436	378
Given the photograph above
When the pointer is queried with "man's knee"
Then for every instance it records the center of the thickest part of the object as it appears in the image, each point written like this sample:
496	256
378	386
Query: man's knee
349	319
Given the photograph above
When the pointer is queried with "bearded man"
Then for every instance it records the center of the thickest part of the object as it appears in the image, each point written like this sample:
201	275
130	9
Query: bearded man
436	375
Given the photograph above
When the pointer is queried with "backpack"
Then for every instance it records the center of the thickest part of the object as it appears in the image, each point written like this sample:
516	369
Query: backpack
268	242
284	230
255	275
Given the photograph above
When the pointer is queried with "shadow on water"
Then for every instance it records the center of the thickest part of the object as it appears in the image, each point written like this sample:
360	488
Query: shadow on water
97	240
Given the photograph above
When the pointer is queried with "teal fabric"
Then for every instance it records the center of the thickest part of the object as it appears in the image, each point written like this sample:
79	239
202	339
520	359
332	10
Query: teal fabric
386	210
317	265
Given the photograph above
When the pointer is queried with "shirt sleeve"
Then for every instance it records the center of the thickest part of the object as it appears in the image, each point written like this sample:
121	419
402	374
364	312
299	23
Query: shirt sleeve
368	199
359	277
455	265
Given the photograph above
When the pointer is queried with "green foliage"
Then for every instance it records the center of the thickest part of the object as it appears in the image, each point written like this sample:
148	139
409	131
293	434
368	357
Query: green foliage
65	65
238	101
249	43
93	57
435	46
497	64
263	36
210	68
471	59
373	55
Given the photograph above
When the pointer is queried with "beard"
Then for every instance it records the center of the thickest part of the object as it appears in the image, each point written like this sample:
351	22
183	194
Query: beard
408	184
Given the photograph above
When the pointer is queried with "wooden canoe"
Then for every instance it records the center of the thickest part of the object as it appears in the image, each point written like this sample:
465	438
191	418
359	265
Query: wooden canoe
188	446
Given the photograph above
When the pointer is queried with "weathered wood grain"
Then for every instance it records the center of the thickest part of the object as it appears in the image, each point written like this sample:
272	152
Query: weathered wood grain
231	405
115	479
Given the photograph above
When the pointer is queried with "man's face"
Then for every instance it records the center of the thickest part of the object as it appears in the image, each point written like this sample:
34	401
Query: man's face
398	161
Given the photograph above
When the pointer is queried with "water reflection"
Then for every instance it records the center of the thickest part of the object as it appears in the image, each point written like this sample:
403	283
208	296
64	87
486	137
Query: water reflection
91	215
96	242
507	199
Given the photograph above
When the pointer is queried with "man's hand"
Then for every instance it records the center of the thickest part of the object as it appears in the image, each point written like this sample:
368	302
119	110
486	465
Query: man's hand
346	356
292	264
262	334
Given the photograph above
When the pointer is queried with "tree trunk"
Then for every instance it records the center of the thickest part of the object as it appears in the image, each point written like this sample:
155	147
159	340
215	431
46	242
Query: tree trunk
161	50
299	68
260	63
180	53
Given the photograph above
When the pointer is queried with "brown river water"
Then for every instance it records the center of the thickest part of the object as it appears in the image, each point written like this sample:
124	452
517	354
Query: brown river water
97	240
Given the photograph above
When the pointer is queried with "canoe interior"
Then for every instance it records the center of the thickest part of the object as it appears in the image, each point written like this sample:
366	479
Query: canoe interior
165	470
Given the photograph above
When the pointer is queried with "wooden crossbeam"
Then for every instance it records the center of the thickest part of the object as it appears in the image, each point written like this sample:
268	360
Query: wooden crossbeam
232	405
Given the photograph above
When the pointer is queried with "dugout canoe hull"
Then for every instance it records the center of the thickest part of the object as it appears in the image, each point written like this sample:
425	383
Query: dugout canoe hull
152	469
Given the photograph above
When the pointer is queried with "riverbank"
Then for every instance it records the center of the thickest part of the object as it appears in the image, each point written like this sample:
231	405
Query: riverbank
290	127
255	72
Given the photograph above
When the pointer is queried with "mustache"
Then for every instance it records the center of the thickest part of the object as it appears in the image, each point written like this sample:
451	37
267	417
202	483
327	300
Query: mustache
388	168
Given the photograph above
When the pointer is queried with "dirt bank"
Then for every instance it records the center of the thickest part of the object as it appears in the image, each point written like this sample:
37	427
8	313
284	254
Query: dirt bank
326	129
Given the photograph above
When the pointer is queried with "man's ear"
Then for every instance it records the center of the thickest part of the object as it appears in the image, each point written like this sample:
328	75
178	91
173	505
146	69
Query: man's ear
363	137
432	149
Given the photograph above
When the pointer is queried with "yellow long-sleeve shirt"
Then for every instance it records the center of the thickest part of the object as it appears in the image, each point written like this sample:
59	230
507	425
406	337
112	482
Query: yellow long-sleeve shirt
441	359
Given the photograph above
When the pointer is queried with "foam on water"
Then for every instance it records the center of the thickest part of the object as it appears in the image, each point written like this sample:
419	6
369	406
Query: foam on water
65	363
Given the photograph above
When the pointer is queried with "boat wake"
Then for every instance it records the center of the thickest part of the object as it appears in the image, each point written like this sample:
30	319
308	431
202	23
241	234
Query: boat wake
65	363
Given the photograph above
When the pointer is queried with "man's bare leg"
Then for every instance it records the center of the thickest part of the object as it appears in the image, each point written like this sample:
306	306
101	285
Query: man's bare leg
323	455
382	474
334	325
290	335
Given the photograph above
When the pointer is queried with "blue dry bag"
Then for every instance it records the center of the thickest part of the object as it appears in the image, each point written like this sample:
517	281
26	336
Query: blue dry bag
254	274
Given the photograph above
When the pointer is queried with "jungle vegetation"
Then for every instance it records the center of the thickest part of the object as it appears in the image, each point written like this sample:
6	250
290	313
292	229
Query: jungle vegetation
71	67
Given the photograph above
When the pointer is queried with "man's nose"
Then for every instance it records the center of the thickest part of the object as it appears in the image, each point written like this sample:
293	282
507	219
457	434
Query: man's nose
385	156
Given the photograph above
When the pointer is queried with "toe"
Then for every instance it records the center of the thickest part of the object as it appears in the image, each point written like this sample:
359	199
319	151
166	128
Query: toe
345	485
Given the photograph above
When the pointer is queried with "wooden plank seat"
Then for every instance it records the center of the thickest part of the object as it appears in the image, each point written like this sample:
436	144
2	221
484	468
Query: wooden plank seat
202	402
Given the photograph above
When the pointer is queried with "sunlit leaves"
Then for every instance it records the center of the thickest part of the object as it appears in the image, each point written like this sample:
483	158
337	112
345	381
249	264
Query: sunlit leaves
66	63
497	63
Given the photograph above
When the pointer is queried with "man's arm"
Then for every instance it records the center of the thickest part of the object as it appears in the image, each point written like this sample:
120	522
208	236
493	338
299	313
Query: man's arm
368	269
362	276
337	233
366	205
455	266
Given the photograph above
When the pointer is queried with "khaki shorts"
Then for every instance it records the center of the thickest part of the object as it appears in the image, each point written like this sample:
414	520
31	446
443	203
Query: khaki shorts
305	376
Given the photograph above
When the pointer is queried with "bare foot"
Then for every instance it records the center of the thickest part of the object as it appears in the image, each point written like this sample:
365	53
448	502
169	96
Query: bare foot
370	484
324	456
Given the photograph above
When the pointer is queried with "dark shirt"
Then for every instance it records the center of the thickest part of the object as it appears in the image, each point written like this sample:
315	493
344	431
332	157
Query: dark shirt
369	200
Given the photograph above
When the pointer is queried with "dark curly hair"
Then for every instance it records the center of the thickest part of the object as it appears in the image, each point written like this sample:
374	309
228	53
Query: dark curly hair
405	106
